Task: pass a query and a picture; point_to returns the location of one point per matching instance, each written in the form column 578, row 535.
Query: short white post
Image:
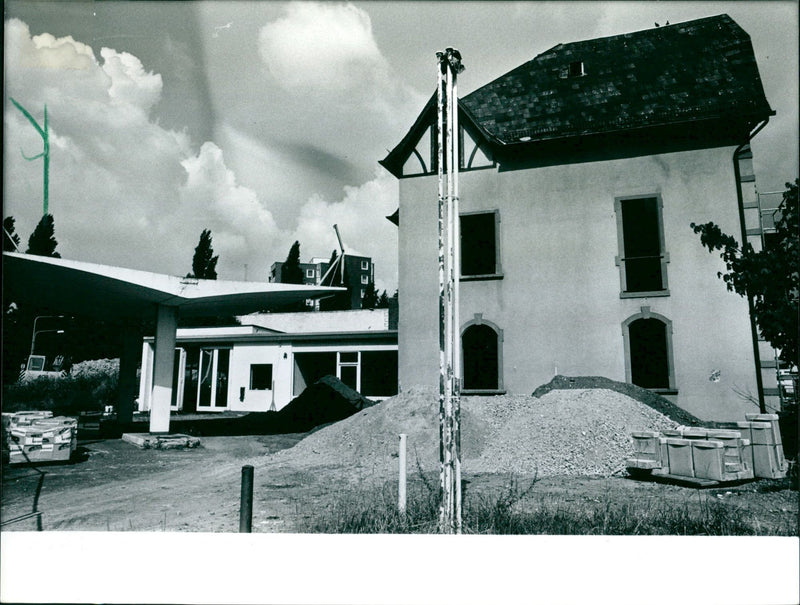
column 401, row 491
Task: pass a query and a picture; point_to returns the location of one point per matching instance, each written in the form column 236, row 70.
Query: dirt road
column 114, row 486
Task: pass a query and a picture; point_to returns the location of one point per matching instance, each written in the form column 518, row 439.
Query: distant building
column 271, row 358
column 359, row 271
column 581, row 171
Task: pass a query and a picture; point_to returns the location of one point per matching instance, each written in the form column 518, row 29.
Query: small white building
column 269, row 360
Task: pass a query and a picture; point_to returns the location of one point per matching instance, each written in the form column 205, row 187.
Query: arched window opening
column 480, row 358
column 649, row 353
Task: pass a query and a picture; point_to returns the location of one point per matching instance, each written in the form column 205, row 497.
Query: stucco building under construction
column 581, row 171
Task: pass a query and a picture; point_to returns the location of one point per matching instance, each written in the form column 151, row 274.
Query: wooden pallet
column 692, row 481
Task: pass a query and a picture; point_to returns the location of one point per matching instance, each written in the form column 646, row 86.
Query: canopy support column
column 128, row 362
column 161, row 399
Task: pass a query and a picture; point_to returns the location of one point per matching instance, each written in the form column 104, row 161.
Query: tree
column 42, row 241
column 10, row 238
column 383, row 301
column 370, row 299
column 331, row 268
column 770, row 278
column 291, row 271
column 204, row 263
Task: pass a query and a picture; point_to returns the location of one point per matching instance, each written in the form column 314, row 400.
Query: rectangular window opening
column 479, row 245
column 643, row 260
column 260, row 376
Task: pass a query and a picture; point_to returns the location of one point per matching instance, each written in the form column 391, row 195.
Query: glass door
column 178, row 379
column 212, row 386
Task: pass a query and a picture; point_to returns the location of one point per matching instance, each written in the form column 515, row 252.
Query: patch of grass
column 518, row 510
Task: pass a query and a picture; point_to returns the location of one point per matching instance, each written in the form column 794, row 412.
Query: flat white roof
column 359, row 320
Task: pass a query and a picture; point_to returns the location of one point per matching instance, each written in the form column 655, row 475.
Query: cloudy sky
column 264, row 121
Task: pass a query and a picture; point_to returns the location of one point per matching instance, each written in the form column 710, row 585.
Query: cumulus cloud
column 123, row 190
column 56, row 53
column 129, row 81
column 321, row 46
column 126, row 191
column 212, row 199
column 325, row 54
column 362, row 235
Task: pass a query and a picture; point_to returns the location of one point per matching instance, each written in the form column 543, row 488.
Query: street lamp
column 33, row 336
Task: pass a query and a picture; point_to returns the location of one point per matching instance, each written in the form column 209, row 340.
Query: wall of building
column 376, row 370
column 558, row 302
column 242, row 356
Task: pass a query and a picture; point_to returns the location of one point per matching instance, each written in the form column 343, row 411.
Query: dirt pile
column 327, row 400
column 654, row 400
column 564, row 432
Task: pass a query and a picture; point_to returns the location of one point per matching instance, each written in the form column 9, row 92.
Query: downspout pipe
column 751, row 307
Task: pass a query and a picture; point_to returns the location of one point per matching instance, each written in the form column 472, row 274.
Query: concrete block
column 765, row 462
column 723, row 434
column 708, row 459
column 774, row 423
column 695, row 433
column 642, row 463
column 761, row 433
column 679, row 456
column 161, row 441
column 646, row 446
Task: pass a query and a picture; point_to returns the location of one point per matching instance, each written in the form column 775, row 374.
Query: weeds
column 519, row 511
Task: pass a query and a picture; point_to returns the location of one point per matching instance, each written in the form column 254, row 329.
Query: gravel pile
column 564, row 432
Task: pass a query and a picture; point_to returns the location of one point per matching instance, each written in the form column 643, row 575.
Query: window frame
column 365, row 265
column 645, row 313
column 478, row 320
column 498, row 267
column 272, row 376
column 620, row 259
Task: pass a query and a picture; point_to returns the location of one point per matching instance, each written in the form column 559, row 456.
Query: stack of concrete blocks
column 39, row 437
column 765, row 436
column 754, row 450
column 703, row 454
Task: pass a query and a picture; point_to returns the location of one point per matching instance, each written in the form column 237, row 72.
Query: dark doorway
column 649, row 353
column 479, row 346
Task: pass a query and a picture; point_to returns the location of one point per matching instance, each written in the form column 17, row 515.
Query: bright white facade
column 252, row 368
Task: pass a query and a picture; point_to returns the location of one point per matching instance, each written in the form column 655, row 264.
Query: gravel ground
column 564, row 432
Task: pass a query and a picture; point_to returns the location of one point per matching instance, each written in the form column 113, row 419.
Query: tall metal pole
column 449, row 66
column 456, row 279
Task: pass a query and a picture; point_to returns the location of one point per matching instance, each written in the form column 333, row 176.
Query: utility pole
column 447, row 156
column 45, row 134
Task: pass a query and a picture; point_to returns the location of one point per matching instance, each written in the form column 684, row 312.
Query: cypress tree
column 42, row 241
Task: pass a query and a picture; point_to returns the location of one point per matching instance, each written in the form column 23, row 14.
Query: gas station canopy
column 105, row 292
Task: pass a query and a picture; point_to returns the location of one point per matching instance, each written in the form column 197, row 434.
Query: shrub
column 90, row 386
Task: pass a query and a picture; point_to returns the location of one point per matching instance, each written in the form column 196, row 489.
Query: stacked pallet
column 39, row 437
column 709, row 456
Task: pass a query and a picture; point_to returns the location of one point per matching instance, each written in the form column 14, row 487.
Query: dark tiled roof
column 701, row 69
